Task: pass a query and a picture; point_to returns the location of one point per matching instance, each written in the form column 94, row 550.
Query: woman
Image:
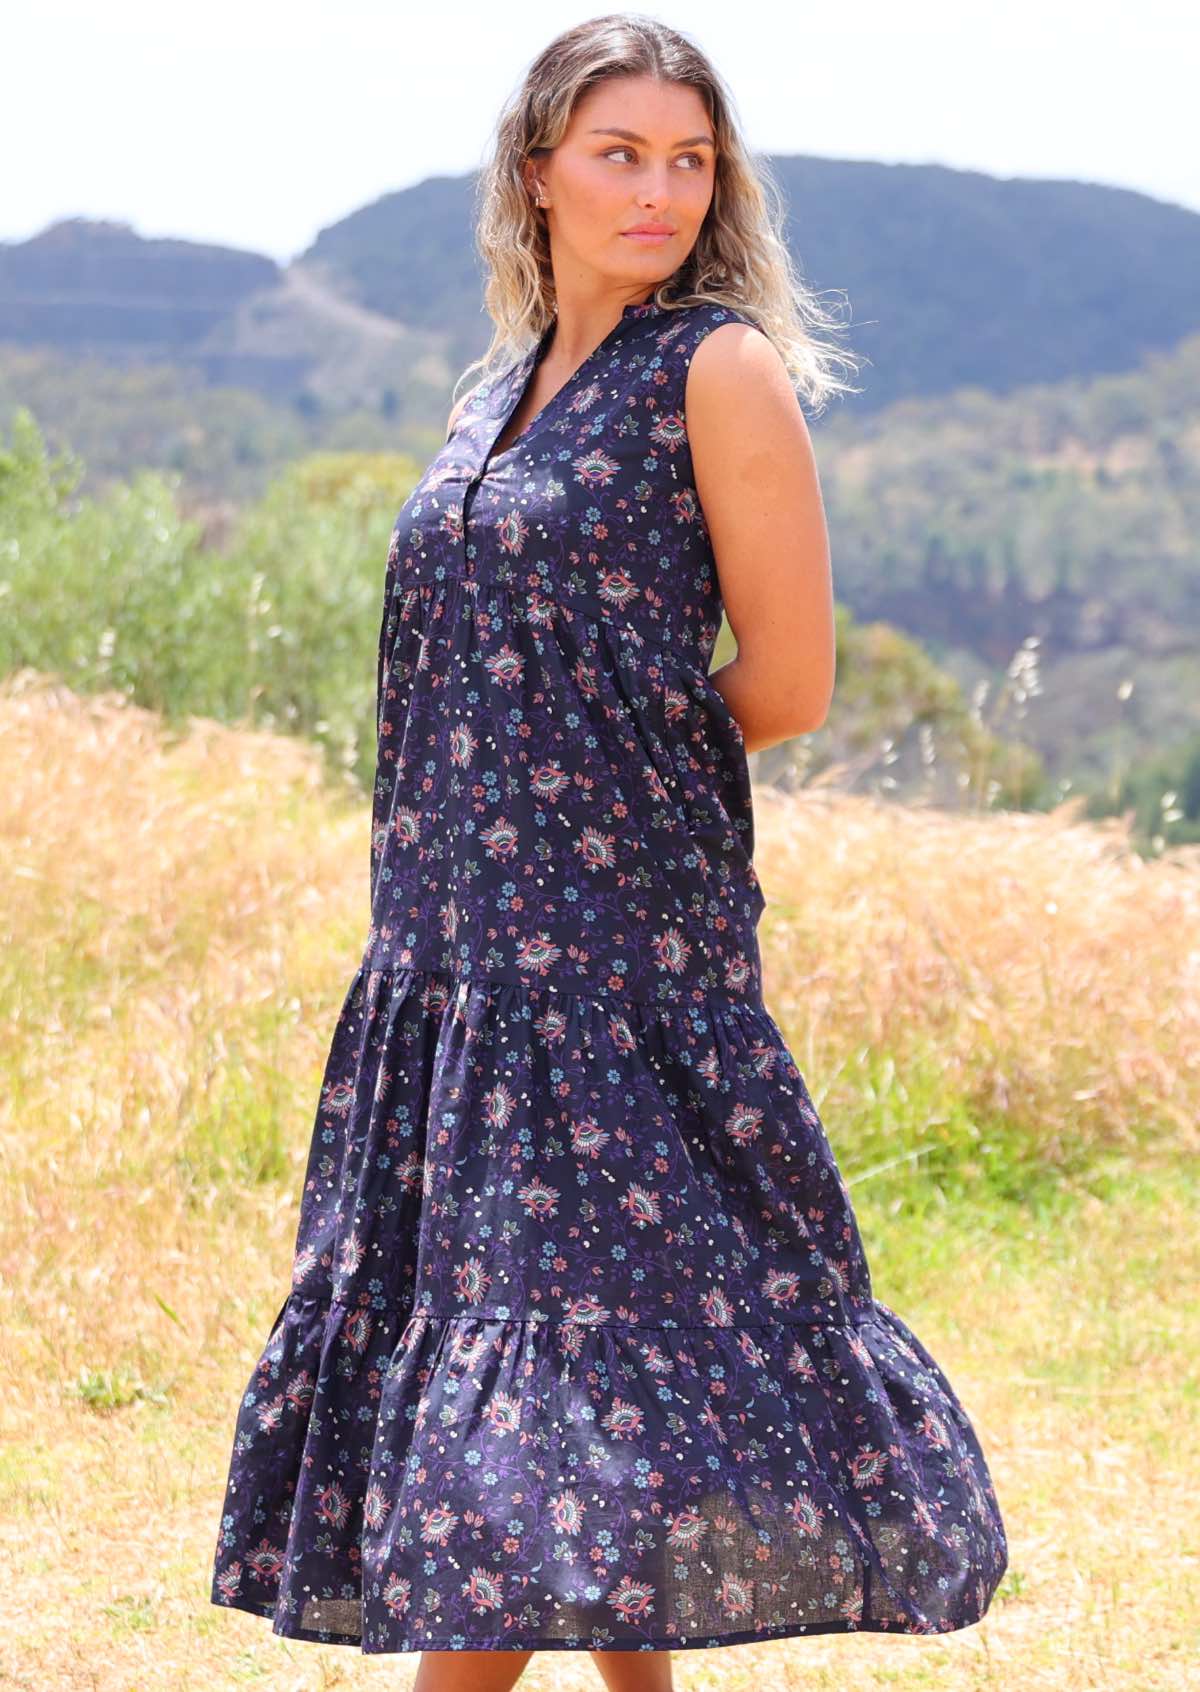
column 581, row 1350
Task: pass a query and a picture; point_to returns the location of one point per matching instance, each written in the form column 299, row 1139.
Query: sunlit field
column 997, row 1015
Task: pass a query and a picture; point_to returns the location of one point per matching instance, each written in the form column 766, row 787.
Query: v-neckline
column 526, row 368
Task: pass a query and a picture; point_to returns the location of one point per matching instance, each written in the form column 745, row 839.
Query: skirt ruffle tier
column 581, row 1350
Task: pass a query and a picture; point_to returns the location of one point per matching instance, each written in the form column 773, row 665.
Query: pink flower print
column 643, row 1206
column 512, row 531
column 806, row 1516
column 935, row 1430
column 269, row 1414
column 672, row 950
column 717, row 1308
column 655, row 1360
column 299, row 1391
column 670, row 431
column 435, row 996
column 800, row 1363
column 744, row 1123
column 686, row 506
column 624, row 1420
column 551, row 1027
column 265, row 1562
column 709, row 1067
column 859, row 1350
column 838, row 1271
column 471, row 1281
column 738, row 974
column 655, row 785
column 709, row 1419
column 506, row 666
column 229, row 1581
column 781, row 1287
column 621, row 1033
column 463, row 745
column 867, row 1467
column 548, row 782
column 406, row 825
column 751, row 1350
column 923, row 1516
column 397, row 1594
column 618, row 589
column 503, row 1412
column 539, row 1199
column 736, row 1597
column 438, row 1524
column 449, row 919
column 762, row 1057
column 351, row 1254
column 540, row 613
column 632, row 1598
column 501, row 840
column 596, row 849
column 465, row 1352
column 586, row 1310
column 585, row 399
column 498, row 1106
column 337, row 1097
column 685, row 1530
column 675, row 703
column 484, row 1591
column 567, row 1512
column 588, row 1138
column 570, row 1339
column 376, row 1505
column 356, row 1329
column 595, row 469
column 537, row 954
column 412, row 1173
column 584, row 676
column 333, row 1505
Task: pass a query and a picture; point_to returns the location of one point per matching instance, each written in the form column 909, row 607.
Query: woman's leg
column 634, row 1671
column 469, row 1671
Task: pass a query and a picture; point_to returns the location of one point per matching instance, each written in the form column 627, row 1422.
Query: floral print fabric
column 581, row 1349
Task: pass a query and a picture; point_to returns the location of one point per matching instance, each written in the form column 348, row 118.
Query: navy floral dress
column 580, row 1349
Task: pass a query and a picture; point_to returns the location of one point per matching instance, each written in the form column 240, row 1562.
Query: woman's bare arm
column 756, row 478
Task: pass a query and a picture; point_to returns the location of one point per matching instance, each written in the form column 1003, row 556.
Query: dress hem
column 674, row 1642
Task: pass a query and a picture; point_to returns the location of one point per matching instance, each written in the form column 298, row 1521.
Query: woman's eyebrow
column 628, row 135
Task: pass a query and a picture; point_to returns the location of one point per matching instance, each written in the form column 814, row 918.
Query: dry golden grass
column 179, row 921
column 1055, row 972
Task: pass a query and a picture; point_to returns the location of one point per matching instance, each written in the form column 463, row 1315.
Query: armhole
column 715, row 318
column 456, row 411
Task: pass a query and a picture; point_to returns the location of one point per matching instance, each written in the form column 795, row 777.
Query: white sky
column 257, row 124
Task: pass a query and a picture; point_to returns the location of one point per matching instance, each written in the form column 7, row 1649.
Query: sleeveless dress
column 580, row 1349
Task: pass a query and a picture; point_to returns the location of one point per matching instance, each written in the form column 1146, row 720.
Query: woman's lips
column 646, row 239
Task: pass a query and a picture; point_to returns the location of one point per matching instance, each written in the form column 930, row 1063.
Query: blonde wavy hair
column 740, row 257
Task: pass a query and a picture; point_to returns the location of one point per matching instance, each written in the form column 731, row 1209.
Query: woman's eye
column 609, row 154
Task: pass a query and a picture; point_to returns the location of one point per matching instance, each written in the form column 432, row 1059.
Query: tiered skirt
column 581, row 1352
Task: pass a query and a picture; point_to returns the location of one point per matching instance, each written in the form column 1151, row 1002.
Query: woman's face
column 637, row 152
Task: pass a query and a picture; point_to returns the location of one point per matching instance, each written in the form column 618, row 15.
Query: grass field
column 998, row 1016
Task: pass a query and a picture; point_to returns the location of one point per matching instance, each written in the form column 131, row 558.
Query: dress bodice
column 561, row 792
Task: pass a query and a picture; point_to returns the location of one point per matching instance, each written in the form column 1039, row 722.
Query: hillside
column 946, row 279
column 1016, row 489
